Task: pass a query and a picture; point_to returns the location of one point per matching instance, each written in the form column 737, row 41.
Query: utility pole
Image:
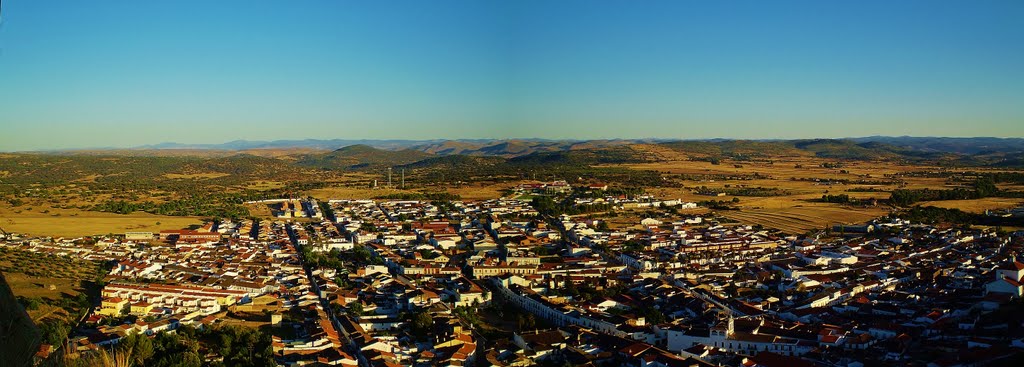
column 389, row 177
column 403, row 178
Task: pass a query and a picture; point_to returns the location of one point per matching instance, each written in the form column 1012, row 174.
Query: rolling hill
column 362, row 156
column 375, row 154
column 981, row 145
column 582, row 157
column 457, row 161
column 734, row 148
column 845, row 149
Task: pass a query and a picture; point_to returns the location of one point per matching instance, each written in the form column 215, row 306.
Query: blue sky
column 127, row 73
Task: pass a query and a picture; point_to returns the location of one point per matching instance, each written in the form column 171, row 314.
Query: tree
column 30, row 304
column 355, row 308
column 226, row 341
column 422, row 323
column 140, row 346
column 245, row 346
column 651, row 315
column 55, row 332
column 985, row 186
column 526, row 322
column 184, row 359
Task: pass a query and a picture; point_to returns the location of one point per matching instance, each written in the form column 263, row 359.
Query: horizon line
column 214, row 146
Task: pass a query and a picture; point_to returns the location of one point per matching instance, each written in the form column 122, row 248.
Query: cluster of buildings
column 729, row 295
column 494, row 282
column 231, row 273
column 687, row 290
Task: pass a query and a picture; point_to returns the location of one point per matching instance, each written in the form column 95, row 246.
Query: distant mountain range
column 375, row 154
column 517, row 147
column 950, row 145
column 497, row 147
column 535, row 153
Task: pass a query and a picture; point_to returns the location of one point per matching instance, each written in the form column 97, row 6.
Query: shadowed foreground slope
column 19, row 338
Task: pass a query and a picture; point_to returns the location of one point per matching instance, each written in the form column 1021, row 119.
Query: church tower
column 732, row 326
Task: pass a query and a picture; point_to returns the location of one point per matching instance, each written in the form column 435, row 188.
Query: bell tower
column 731, row 326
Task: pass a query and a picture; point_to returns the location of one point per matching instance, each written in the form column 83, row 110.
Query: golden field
column 75, row 222
column 977, row 205
column 804, row 181
column 39, row 287
column 52, row 283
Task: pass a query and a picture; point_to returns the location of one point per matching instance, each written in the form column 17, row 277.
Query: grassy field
column 40, row 287
column 803, row 180
column 48, row 221
column 31, row 286
column 260, row 210
column 55, row 289
column 977, row 205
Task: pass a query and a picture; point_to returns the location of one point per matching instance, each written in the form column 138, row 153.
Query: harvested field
column 802, row 182
column 74, row 222
column 977, row 205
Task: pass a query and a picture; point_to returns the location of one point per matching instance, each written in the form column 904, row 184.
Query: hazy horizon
column 127, row 74
column 404, row 143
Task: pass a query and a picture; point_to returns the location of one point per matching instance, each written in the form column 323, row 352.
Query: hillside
column 822, row 148
column 57, row 169
column 980, row 145
column 448, row 147
column 455, row 162
column 587, row 157
column 845, row 149
column 552, row 161
column 19, row 337
column 362, row 156
column 734, row 148
column 514, row 147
